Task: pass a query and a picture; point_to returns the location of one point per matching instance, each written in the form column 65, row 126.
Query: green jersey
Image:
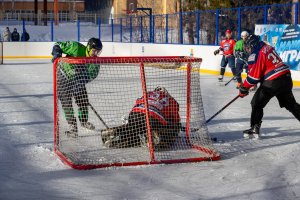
column 239, row 46
column 76, row 49
column 239, row 51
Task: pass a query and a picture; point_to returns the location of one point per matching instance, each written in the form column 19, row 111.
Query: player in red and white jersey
column 265, row 66
column 162, row 106
column 227, row 47
column 164, row 120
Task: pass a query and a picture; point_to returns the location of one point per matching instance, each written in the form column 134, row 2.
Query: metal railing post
column 239, row 23
column 181, row 28
column 130, row 29
column 99, row 28
column 78, row 30
column 150, row 28
column 52, row 30
column 265, row 14
column 198, row 27
column 167, row 27
column 112, row 30
column 23, row 24
column 217, row 27
column 121, row 30
column 153, row 28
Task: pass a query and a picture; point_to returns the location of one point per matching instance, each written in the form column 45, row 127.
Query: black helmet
column 94, row 43
column 251, row 43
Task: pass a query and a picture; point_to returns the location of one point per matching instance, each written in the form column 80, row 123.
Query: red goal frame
column 213, row 155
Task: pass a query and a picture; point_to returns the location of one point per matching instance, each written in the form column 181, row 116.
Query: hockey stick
column 232, row 79
column 99, row 117
column 212, row 117
column 245, row 62
column 221, row 110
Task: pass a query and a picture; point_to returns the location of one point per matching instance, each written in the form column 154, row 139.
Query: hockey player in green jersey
column 72, row 80
column 241, row 58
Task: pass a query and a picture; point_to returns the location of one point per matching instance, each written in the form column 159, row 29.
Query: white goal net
column 124, row 111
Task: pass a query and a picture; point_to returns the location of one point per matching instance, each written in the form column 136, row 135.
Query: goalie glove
column 56, row 52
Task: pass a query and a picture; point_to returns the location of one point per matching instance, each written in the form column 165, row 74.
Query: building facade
column 27, row 6
column 157, row 6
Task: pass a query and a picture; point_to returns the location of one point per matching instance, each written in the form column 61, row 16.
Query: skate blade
column 71, row 135
column 247, row 136
column 256, row 137
column 89, row 129
column 252, row 136
column 108, row 144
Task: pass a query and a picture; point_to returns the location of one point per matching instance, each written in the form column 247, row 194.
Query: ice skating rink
column 263, row 169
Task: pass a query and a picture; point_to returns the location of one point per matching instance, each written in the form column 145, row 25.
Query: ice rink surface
column 264, row 169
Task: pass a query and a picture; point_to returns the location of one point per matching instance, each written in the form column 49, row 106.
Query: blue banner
column 285, row 39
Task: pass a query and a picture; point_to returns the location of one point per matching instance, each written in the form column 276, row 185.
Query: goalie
column 164, row 122
column 72, row 80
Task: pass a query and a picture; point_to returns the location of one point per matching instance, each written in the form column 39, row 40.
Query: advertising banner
column 286, row 40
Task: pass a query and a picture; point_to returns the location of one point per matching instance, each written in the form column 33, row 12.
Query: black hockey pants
column 230, row 60
column 67, row 90
column 240, row 65
column 281, row 88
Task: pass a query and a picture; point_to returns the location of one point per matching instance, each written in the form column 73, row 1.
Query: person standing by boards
column 15, row 36
column 227, row 47
column 6, row 35
column 241, row 58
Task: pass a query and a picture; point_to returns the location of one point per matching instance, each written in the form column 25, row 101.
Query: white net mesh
column 129, row 111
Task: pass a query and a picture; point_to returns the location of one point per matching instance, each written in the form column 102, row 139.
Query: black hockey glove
column 243, row 92
column 56, row 52
column 239, row 54
column 216, row 51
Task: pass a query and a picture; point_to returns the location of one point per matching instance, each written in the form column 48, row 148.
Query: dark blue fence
column 198, row 27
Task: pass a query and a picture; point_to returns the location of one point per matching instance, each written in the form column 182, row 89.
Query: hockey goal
column 127, row 111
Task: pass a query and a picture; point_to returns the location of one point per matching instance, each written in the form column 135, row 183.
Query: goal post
column 152, row 106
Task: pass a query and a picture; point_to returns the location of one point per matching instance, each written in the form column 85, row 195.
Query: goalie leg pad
column 134, row 134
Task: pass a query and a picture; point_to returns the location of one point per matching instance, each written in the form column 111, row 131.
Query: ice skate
column 220, row 78
column 88, row 125
column 72, row 132
column 253, row 132
column 109, row 137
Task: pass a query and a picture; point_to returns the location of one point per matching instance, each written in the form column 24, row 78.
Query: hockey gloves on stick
column 56, row 52
column 243, row 92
